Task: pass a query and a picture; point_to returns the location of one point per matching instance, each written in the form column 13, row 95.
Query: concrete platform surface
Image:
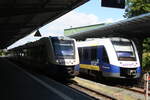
column 17, row 84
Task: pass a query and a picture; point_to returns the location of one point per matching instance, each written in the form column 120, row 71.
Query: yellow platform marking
column 91, row 67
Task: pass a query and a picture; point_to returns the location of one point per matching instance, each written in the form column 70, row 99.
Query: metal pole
column 146, row 85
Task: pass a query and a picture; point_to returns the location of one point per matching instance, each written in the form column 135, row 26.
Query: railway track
column 134, row 89
column 94, row 94
column 118, row 92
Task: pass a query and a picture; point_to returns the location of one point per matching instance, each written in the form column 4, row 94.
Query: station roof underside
column 136, row 27
column 19, row 18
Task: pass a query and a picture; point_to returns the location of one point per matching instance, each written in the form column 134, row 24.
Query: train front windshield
column 124, row 50
column 64, row 49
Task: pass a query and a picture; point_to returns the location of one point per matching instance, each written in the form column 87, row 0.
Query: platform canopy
column 19, row 18
column 136, row 27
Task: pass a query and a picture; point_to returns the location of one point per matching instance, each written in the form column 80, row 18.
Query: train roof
column 41, row 41
column 108, row 38
column 94, row 42
column 62, row 37
column 98, row 41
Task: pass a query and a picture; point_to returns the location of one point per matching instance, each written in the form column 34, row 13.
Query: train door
column 84, row 56
column 102, row 56
column 80, row 51
column 105, row 58
column 105, row 67
column 93, row 57
column 88, row 55
column 94, row 61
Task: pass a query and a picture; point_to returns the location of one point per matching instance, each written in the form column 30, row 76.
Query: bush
column 146, row 61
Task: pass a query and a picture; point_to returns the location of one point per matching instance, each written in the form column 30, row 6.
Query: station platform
column 17, row 84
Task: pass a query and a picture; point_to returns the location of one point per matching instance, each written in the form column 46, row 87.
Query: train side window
column 85, row 54
column 105, row 56
column 89, row 54
column 94, row 53
column 42, row 52
column 80, row 54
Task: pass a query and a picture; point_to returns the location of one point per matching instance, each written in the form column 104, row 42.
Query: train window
column 64, row 48
column 124, row 50
column 42, row 52
column 94, row 53
column 80, row 54
column 86, row 53
column 89, row 53
column 105, row 56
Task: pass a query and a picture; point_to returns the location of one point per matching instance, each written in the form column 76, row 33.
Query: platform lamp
column 37, row 34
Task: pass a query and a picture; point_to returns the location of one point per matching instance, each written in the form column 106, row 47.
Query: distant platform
column 17, row 84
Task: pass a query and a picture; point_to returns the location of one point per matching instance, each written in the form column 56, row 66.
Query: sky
column 87, row 14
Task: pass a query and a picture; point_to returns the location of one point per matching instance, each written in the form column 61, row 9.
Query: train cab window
column 94, row 53
column 105, row 56
column 124, row 50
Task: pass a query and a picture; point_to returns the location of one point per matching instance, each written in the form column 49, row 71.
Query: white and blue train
column 57, row 55
column 109, row 57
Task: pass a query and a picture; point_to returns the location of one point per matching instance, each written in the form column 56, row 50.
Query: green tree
column 146, row 54
column 2, row 52
column 146, row 61
column 146, row 45
column 136, row 7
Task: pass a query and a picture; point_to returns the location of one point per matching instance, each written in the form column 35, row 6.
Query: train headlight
column 131, row 72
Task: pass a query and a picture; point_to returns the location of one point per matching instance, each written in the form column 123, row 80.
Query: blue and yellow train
column 109, row 57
